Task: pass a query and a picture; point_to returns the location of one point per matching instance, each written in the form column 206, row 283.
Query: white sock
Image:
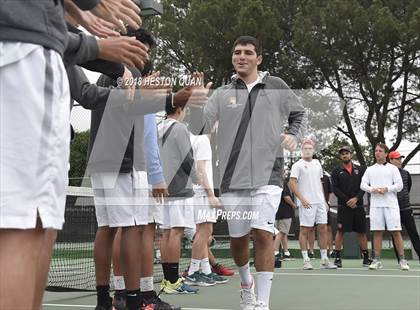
column 119, row 283
column 324, row 254
column 194, row 266
column 264, row 281
column 245, row 275
column 158, row 254
column 205, row 266
column 276, row 252
column 146, row 284
column 305, row 255
column 287, row 253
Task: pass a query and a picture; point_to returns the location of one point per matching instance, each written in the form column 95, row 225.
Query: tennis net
column 72, row 266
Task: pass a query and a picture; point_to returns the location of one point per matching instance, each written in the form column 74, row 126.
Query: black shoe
column 277, row 262
column 311, row 255
column 120, row 301
column 155, row 303
column 338, row 262
column 366, row 261
column 105, row 304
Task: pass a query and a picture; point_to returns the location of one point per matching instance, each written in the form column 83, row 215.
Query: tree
column 78, row 157
column 198, row 35
column 368, row 53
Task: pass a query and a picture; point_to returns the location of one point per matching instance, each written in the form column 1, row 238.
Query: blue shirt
column 151, row 150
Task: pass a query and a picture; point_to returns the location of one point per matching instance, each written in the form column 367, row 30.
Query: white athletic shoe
column 375, row 265
column 248, row 300
column 404, row 265
column 261, row 306
column 326, row 264
column 307, row 265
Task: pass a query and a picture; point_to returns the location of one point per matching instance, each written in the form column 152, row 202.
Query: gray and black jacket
column 404, row 194
column 38, row 22
column 117, row 127
column 249, row 130
column 177, row 158
column 42, row 22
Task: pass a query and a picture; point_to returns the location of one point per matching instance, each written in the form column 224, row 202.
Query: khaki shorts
column 283, row 225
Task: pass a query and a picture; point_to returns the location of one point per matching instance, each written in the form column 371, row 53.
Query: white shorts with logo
column 122, row 199
column 251, row 209
column 203, row 212
column 382, row 218
column 317, row 214
column 178, row 213
column 34, row 140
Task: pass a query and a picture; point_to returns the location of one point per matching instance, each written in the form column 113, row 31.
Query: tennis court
column 351, row 287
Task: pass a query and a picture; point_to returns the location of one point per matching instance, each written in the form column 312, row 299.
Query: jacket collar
column 262, row 77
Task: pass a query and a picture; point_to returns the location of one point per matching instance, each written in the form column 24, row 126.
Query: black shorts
column 349, row 219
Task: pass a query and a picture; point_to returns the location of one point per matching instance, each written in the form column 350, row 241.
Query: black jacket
column 346, row 186
column 404, row 194
column 285, row 211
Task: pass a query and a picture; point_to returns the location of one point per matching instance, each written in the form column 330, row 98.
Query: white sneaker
column 261, row 306
column 248, row 300
column 404, row 265
column 307, row 265
column 326, row 264
column 375, row 265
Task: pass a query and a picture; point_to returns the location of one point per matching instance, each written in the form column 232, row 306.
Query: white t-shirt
column 202, row 151
column 309, row 175
column 382, row 176
column 251, row 86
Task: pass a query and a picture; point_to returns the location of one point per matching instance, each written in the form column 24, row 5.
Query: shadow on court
column 352, row 287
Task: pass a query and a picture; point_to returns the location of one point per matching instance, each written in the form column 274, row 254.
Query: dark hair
column 171, row 109
column 244, row 40
column 147, row 69
column 382, row 146
column 142, row 35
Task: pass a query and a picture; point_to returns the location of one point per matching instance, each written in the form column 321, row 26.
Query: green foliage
column 78, row 157
column 367, row 52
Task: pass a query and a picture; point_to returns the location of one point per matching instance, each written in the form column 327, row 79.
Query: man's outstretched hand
column 288, row 142
column 199, row 95
column 119, row 12
column 125, row 50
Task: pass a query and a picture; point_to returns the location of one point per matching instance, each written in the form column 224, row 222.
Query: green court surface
column 348, row 288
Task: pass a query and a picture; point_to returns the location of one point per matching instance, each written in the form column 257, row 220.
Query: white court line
column 344, row 275
column 360, row 268
column 89, row 306
column 69, row 306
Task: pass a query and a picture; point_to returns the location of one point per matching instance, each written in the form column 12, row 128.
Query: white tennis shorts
column 178, row 213
column 203, row 212
column 382, row 218
column 251, row 209
column 34, row 140
column 317, row 214
column 121, row 199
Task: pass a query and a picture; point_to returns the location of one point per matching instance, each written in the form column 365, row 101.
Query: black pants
column 407, row 220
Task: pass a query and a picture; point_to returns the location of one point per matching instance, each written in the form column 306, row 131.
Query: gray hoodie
column 250, row 125
column 177, row 158
column 39, row 22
